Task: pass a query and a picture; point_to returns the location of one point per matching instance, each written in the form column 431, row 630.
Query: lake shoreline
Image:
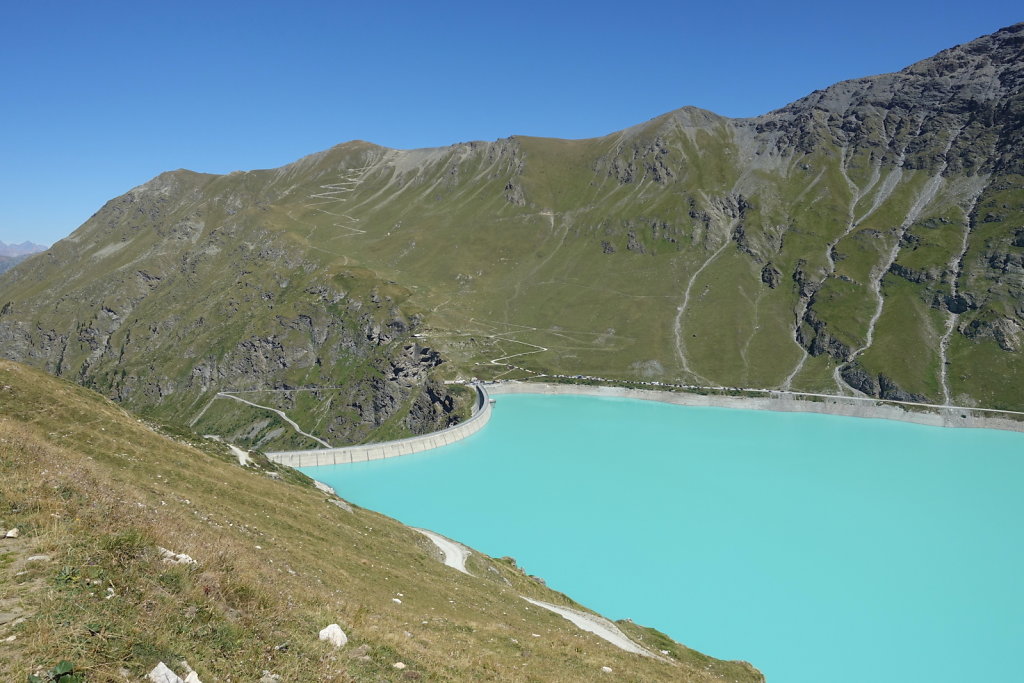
column 935, row 416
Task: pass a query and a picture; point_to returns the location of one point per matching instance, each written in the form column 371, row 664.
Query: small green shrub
column 64, row 672
column 126, row 546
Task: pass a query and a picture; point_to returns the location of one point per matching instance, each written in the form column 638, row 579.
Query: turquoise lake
column 819, row 548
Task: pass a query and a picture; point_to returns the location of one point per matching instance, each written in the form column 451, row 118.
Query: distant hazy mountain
column 868, row 239
column 23, row 249
column 8, row 262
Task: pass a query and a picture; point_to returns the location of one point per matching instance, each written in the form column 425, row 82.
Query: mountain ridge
column 870, row 250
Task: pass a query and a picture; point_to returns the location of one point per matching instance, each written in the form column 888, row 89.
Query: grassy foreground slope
column 97, row 492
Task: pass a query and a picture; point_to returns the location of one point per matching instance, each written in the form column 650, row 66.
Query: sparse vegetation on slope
column 98, row 493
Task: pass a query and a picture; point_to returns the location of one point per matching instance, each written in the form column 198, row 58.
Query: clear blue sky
column 100, row 96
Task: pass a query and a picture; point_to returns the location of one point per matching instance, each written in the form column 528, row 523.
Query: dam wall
column 390, row 449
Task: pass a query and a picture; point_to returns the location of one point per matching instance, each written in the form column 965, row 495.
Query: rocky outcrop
column 911, row 275
column 956, row 303
column 891, row 391
column 633, row 244
column 815, row 337
column 1007, row 262
column 879, row 386
column 641, row 160
column 771, row 276
column 432, row 410
column 806, row 284
column 739, row 236
column 1004, row 331
column 514, row 194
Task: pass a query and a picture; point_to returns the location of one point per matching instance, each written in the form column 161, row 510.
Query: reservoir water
column 819, row 548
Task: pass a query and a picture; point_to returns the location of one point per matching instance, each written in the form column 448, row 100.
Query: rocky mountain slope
column 160, row 298
column 867, row 239
column 133, row 548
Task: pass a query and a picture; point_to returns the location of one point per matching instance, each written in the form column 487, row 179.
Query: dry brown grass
column 98, row 491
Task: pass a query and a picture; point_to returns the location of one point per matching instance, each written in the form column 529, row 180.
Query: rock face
column 1005, row 331
column 973, row 90
column 873, row 229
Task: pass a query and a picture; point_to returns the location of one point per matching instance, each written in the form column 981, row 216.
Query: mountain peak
column 986, row 58
column 22, row 249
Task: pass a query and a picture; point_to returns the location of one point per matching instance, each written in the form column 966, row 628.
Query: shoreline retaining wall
column 937, row 416
column 390, row 449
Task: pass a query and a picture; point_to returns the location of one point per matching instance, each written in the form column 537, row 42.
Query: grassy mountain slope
column 98, row 492
column 176, row 289
column 866, row 239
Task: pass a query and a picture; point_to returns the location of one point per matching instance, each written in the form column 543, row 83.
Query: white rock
column 324, row 487
column 12, row 533
column 270, row 678
column 38, row 558
column 10, row 639
column 399, row 665
column 162, row 674
column 396, row 601
column 606, row 669
column 340, row 503
column 192, row 677
column 172, row 557
column 334, row 635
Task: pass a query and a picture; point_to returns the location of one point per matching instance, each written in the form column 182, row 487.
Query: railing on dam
column 390, row 449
